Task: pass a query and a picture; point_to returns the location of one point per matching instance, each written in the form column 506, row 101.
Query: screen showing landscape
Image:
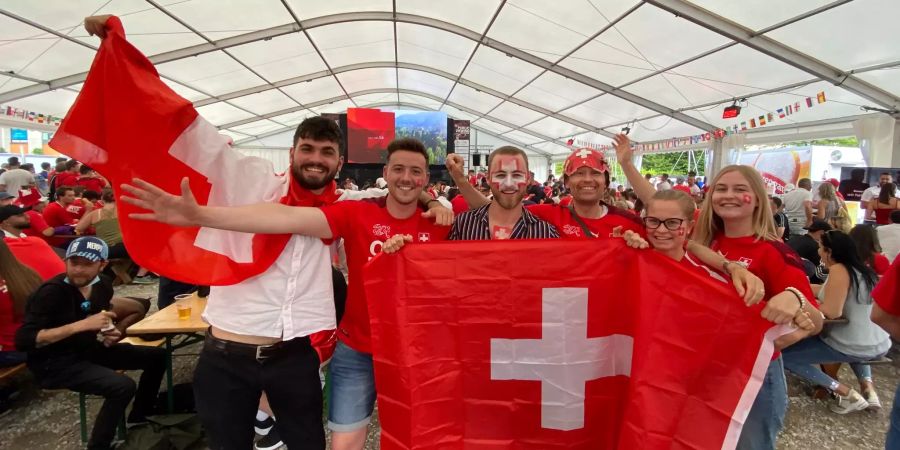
column 430, row 127
column 369, row 131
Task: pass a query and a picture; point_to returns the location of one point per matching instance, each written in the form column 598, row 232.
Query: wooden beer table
column 167, row 323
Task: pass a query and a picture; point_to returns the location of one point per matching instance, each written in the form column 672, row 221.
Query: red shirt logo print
column 381, row 230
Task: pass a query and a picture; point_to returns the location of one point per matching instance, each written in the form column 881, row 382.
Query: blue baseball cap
column 88, row 247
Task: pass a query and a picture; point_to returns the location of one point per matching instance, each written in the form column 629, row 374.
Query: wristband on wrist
column 800, row 297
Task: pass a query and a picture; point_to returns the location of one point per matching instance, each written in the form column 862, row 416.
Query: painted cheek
column 680, row 232
column 747, row 198
column 420, row 183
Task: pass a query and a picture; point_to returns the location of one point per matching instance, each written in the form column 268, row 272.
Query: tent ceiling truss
column 738, row 34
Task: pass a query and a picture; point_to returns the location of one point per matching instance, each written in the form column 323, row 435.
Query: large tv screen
column 430, row 127
column 369, row 131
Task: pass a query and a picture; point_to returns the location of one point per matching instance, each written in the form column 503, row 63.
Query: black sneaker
column 270, row 441
column 262, row 427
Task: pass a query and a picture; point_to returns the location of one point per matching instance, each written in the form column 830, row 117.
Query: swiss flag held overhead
column 127, row 123
column 608, row 348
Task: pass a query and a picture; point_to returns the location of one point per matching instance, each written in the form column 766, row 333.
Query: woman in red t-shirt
column 17, row 282
column 668, row 223
column 736, row 220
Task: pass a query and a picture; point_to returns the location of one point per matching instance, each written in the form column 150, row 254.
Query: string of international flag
column 683, row 141
column 30, row 116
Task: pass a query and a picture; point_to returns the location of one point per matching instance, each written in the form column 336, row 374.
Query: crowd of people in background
column 839, row 263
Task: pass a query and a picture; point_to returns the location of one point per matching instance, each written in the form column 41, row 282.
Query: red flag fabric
column 127, row 123
column 609, row 348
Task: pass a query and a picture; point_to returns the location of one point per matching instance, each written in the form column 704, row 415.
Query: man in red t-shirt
column 63, row 214
column 66, row 210
column 70, row 176
column 365, row 226
column 90, row 179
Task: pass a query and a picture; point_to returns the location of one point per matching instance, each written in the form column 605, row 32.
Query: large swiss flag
column 127, row 123
column 501, row 345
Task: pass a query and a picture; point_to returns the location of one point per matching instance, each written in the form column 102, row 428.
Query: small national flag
column 820, row 97
column 781, row 113
column 809, row 103
column 743, row 125
column 31, row 116
column 789, row 109
column 752, row 123
column 770, row 117
column 762, row 120
column 796, row 107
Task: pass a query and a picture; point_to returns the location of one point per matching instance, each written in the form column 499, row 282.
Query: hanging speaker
column 476, row 160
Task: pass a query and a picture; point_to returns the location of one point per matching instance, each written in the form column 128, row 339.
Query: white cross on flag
column 127, row 123
column 585, row 354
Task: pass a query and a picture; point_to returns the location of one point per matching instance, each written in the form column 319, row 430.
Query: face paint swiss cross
column 508, row 174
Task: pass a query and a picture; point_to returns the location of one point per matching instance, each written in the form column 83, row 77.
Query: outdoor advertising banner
column 779, row 167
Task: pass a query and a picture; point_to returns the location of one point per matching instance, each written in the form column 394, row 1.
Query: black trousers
column 227, row 387
column 94, row 373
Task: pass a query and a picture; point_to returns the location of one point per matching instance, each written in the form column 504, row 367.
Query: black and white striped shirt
column 473, row 226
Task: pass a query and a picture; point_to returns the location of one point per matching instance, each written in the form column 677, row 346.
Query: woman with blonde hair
column 737, row 221
column 829, row 205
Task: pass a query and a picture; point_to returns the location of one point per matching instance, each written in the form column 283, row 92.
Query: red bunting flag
column 600, row 352
column 809, row 102
column 752, row 123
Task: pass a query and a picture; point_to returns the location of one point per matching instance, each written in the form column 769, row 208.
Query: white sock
column 261, row 415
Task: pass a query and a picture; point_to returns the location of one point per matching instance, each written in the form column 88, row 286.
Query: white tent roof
column 531, row 72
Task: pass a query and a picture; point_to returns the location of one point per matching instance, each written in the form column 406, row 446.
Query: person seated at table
column 847, row 293
column 105, row 222
column 92, row 197
column 64, row 212
column 60, row 334
column 17, row 282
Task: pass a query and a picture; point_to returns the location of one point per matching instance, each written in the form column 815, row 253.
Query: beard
column 509, row 201
column 81, row 281
column 309, row 182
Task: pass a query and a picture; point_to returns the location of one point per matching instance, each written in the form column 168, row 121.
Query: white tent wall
column 529, row 71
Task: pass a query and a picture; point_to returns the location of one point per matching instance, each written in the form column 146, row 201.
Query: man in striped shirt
column 504, row 217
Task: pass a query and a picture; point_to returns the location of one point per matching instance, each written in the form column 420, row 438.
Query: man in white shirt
column 872, row 194
column 15, row 177
column 889, row 236
column 798, row 206
column 663, row 184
